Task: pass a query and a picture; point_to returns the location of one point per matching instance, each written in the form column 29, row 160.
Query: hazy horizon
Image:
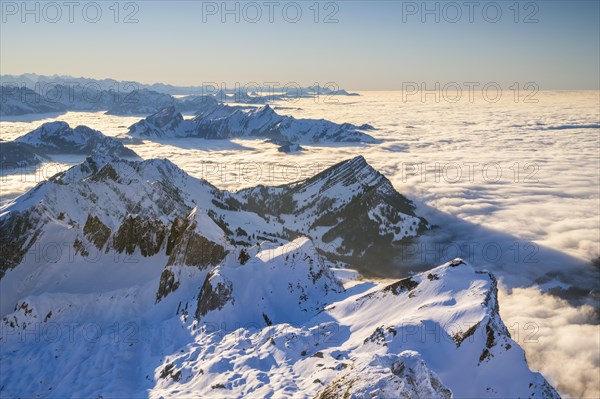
column 429, row 86
column 358, row 45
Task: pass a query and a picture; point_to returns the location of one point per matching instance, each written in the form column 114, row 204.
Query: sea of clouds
column 512, row 176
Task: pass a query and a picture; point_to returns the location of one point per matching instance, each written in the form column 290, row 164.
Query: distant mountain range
column 192, row 289
column 32, row 94
column 23, row 101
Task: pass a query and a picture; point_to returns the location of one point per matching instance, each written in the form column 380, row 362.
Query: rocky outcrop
column 96, row 232
column 166, row 285
column 145, row 234
column 215, row 293
column 19, row 231
column 187, row 247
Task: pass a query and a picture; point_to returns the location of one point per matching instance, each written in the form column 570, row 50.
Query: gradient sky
column 369, row 48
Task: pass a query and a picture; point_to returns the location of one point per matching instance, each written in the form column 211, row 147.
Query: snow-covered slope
column 277, row 324
column 224, row 121
column 226, row 298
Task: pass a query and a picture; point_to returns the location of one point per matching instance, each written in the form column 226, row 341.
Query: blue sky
column 375, row 45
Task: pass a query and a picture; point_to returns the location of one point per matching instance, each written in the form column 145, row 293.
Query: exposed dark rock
column 166, row 285
column 170, row 371
column 96, row 231
column 186, row 247
column 213, row 297
column 457, row 262
column 243, row 257
column 489, row 343
column 378, row 336
column 48, row 316
column 400, row 286
column 79, row 248
column 267, row 320
column 18, row 233
column 137, row 232
column 460, row 337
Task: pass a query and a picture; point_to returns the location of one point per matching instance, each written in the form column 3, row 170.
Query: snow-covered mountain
column 33, row 94
column 133, row 279
column 330, row 91
column 223, row 122
column 54, row 138
column 22, row 101
column 350, row 211
column 237, row 94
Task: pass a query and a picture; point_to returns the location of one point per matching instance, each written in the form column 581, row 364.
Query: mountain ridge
column 120, row 195
column 220, row 121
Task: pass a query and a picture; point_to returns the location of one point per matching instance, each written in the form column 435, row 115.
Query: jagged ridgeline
column 221, row 121
column 350, row 211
